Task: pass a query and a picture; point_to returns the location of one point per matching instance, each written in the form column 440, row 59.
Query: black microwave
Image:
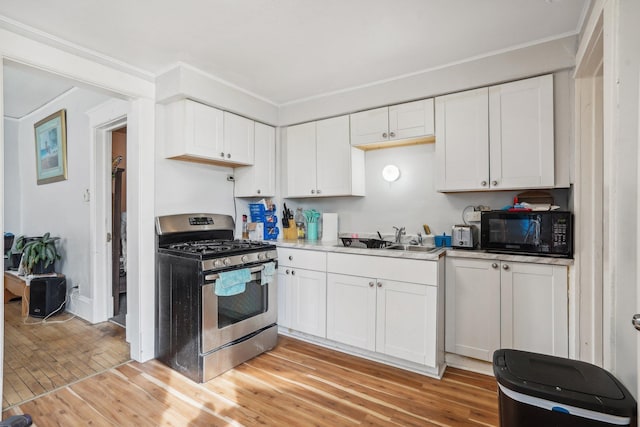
column 546, row 233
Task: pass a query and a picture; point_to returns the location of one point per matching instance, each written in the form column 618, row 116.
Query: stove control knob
column 260, row 256
column 244, row 258
column 227, row 261
column 217, row 263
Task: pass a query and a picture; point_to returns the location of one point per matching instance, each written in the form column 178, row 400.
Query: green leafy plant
column 37, row 249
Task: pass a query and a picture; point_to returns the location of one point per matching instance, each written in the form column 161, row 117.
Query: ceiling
column 289, row 50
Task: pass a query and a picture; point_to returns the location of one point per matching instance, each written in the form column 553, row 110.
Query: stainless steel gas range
column 200, row 331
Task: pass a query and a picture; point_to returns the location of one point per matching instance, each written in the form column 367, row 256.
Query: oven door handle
column 211, row 277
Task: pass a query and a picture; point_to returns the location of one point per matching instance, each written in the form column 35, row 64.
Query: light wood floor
column 40, row 357
column 296, row 384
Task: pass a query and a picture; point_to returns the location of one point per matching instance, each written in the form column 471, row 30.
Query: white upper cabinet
column 192, row 130
column 300, row 160
column 393, row 123
column 259, row 180
column 496, row 138
column 321, row 162
column 238, row 139
column 521, row 134
column 462, row 141
column 201, row 133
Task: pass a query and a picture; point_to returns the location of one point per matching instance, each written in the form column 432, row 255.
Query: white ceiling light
column 390, row 173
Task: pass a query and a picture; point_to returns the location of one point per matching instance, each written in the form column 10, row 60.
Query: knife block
column 291, row 232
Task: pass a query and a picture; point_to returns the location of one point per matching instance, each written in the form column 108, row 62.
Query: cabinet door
column 406, row 321
column 472, row 307
column 370, row 126
column 462, row 141
column 534, row 308
column 333, row 154
column 238, row 139
column 351, row 310
column 411, row 120
column 308, row 301
column 521, row 134
column 192, row 130
column 284, row 299
column 301, row 160
column 259, row 180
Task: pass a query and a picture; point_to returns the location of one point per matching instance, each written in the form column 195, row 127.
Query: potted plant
column 38, row 253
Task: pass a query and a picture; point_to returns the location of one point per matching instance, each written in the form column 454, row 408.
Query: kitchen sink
column 413, row 248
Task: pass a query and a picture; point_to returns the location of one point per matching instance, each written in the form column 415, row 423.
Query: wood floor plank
column 294, row 384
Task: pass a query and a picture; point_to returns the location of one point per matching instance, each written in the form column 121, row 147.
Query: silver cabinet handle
column 392, row 134
column 228, row 156
column 221, row 154
column 379, row 284
column 505, row 266
column 384, row 134
column 287, row 272
column 494, row 182
column 483, row 183
column 317, row 191
column 290, row 257
column 494, row 265
column 635, row 321
column 293, row 272
column 258, row 191
column 371, row 284
column 313, row 191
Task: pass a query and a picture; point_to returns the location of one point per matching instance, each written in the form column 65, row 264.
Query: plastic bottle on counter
column 245, row 231
column 299, row 219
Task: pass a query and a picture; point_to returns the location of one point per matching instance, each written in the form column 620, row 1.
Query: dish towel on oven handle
column 232, row 282
column 267, row 273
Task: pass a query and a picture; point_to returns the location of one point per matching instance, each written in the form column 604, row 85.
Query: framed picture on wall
column 51, row 148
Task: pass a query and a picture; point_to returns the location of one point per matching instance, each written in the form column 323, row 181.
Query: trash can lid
column 566, row 381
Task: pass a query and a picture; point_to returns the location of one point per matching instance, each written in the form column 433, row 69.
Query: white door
column 370, row 126
column 472, row 307
column 406, row 321
column 308, row 306
column 351, row 310
column 521, row 134
column 301, row 160
column 333, row 157
column 238, row 139
column 462, row 141
column 534, row 308
column 411, row 119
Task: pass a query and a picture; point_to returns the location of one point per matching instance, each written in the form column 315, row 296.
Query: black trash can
column 539, row 390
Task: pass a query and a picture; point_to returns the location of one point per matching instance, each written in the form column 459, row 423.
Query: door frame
column 590, row 203
column 103, row 120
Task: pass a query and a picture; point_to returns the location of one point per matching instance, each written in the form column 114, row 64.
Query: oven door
column 226, row 319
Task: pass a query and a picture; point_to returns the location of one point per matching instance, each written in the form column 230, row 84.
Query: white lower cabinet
column 493, row 304
column 375, row 313
column 302, row 291
column 472, row 308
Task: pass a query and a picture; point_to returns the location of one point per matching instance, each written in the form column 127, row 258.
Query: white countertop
column 336, row 246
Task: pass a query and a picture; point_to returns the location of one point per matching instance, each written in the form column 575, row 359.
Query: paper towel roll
column 329, row 227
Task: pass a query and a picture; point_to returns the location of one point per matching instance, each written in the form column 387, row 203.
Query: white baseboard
column 81, row 306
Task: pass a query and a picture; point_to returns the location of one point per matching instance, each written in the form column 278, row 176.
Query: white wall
column 58, row 207
column 409, row 202
column 11, row 177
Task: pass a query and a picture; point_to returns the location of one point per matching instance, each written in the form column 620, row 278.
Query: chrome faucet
column 399, row 233
column 420, row 238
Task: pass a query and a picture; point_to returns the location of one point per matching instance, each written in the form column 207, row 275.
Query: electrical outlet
column 230, row 178
column 473, row 216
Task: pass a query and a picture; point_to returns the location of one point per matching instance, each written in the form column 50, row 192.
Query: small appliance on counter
column 464, row 236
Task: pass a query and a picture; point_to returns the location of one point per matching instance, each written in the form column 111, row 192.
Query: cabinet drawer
column 402, row 270
column 300, row 258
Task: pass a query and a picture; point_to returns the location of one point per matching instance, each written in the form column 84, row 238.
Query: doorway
column 119, row 225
